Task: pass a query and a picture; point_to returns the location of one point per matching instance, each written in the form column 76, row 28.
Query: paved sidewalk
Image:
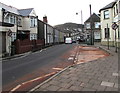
column 97, row 75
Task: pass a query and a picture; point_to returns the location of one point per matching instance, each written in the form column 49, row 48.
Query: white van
column 68, row 40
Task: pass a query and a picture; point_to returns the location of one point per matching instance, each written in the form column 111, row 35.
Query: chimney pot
column 45, row 19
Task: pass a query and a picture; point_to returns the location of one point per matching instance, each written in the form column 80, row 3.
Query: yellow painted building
column 110, row 14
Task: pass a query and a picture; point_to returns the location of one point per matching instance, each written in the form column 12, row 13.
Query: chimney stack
column 45, row 19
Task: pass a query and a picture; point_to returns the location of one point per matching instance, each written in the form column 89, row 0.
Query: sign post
column 114, row 27
column 108, row 36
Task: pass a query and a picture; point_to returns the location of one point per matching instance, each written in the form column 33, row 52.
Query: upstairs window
column 7, row 18
column 12, row 19
column 33, row 22
column 119, row 6
column 88, row 25
column 106, row 14
column 97, row 24
column 19, row 21
column 114, row 11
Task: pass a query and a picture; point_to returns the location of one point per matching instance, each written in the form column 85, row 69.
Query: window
column 33, row 36
column 7, row 18
column 106, row 14
column 107, row 33
column 33, row 22
column 117, row 8
column 97, row 24
column 12, row 19
column 13, row 36
column 119, row 32
column 114, row 11
column 88, row 25
column 19, row 21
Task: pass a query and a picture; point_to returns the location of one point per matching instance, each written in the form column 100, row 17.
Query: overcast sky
column 60, row 11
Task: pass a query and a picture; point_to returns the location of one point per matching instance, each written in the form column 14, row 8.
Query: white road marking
column 57, row 68
column 115, row 74
column 70, row 58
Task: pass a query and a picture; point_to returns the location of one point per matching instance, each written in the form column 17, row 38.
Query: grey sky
column 60, row 11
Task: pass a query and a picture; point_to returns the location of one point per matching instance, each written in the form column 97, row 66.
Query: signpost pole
column 108, row 36
column 115, row 42
column 114, row 27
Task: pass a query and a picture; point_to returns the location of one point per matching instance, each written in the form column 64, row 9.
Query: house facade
column 110, row 14
column 93, row 22
column 16, row 24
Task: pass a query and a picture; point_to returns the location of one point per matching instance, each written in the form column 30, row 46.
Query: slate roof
column 25, row 12
column 9, row 8
column 94, row 17
column 108, row 6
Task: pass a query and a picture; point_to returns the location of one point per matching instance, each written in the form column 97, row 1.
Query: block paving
column 96, row 75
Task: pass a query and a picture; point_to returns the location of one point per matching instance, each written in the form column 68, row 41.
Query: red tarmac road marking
column 24, row 84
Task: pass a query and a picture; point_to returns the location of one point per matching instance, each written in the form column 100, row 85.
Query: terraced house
column 16, row 24
column 110, row 14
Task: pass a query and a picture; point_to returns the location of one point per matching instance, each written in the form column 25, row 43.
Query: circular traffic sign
column 114, row 26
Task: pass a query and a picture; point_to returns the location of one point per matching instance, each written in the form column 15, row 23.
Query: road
column 22, row 69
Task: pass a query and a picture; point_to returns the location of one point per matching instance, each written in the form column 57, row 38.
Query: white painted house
column 16, row 24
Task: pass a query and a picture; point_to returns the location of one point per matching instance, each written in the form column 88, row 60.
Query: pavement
column 99, row 74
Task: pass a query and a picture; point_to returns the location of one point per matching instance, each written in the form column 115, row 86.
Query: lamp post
column 81, row 16
column 81, row 19
column 81, row 22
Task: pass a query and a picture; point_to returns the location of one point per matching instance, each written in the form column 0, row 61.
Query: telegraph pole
column 91, row 37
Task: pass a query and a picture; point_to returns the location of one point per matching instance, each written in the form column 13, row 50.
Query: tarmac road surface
column 22, row 69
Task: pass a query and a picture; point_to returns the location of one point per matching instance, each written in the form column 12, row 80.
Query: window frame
column 19, row 21
column 88, row 26
column 33, row 22
column 97, row 24
column 119, row 6
column 107, row 34
column 106, row 15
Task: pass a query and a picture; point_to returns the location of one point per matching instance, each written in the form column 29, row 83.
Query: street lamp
column 81, row 16
column 81, row 20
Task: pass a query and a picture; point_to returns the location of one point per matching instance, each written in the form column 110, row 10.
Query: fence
column 22, row 46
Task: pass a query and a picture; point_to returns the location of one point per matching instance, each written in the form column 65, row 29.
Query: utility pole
column 90, row 26
column 92, row 34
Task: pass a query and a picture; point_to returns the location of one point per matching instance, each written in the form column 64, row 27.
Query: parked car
column 68, row 40
column 73, row 41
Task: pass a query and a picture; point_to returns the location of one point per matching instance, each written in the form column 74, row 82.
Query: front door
column 3, row 42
